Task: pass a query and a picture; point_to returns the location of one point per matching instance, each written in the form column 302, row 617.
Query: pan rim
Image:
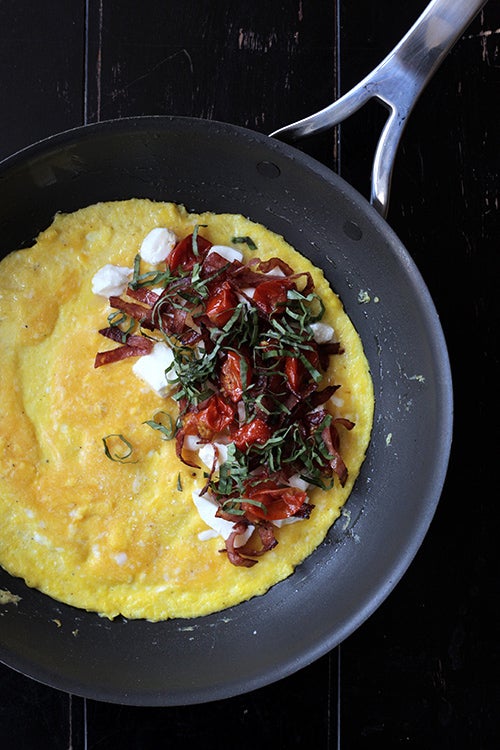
column 209, row 694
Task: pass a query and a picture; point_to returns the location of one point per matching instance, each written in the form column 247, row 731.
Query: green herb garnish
column 164, row 423
column 113, row 454
column 194, row 239
column 246, row 241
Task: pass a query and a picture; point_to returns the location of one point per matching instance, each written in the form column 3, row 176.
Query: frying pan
column 218, row 167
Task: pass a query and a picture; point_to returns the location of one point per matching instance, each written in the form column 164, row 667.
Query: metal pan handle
column 397, row 82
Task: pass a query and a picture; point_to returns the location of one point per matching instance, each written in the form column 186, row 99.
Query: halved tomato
column 296, row 371
column 212, row 419
column 256, row 431
column 183, row 256
column 275, row 502
column 270, row 296
column 221, row 305
column 235, row 375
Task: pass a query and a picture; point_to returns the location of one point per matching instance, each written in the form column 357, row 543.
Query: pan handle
column 397, row 82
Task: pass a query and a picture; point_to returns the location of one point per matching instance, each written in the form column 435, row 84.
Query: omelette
column 185, row 409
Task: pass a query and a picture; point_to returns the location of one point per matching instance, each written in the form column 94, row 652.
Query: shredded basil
column 166, row 424
column 245, row 240
column 194, row 239
column 233, row 505
column 118, row 319
column 193, row 369
column 150, row 278
column 114, row 455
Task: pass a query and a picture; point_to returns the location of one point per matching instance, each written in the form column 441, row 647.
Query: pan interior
column 221, row 168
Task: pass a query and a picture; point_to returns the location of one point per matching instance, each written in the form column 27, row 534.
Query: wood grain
column 422, row 672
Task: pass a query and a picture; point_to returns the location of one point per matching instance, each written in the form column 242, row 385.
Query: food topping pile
column 240, row 347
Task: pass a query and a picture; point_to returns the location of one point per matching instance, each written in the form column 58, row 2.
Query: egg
column 97, row 510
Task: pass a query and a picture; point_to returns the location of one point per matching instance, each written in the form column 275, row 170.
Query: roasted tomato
column 213, row 418
column 183, row 256
column 270, row 296
column 221, row 305
column 256, row 431
column 275, row 502
column 296, row 371
column 235, row 375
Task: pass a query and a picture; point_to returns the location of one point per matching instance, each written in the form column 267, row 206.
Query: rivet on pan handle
column 397, row 82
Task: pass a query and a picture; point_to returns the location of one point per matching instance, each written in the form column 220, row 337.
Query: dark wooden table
column 423, row 671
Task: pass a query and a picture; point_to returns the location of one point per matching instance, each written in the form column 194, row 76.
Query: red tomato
column 221, row 305
column 255, row 431
column 207, row 422
column 270, row 296
column 183, row 256
column 296, row 371
column 279, row 502
column 231, row 377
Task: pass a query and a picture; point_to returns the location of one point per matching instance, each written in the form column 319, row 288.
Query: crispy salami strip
column 135, row 346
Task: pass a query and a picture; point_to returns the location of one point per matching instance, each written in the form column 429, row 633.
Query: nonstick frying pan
column 222, row 168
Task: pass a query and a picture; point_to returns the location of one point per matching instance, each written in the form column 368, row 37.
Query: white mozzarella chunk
column 157, row 245
column 206, row 454
column 322, row 333
column 337, row 401
column 296, row 481
column 207, row 509
column 285, row 521
column 229, row 253
column 275, row 272
column 210, row 452
column 151, row 368
column 192, row 443
column 249, row 291
column 221, row 449
column 111, row 281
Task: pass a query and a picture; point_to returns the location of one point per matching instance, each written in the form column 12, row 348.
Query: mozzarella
column 249, row 291
column 192, row 443
column 322, row 333
column 207, row 509
column 110, row 280
column 296, row 481
column 275, row 272
column 151, row 368
column 209, row 452
column 157, row 245
column 229, row 253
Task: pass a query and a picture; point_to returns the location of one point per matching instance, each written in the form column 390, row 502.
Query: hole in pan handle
column 397, row 82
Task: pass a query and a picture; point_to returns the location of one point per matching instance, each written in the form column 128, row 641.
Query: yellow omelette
column 124, row 536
